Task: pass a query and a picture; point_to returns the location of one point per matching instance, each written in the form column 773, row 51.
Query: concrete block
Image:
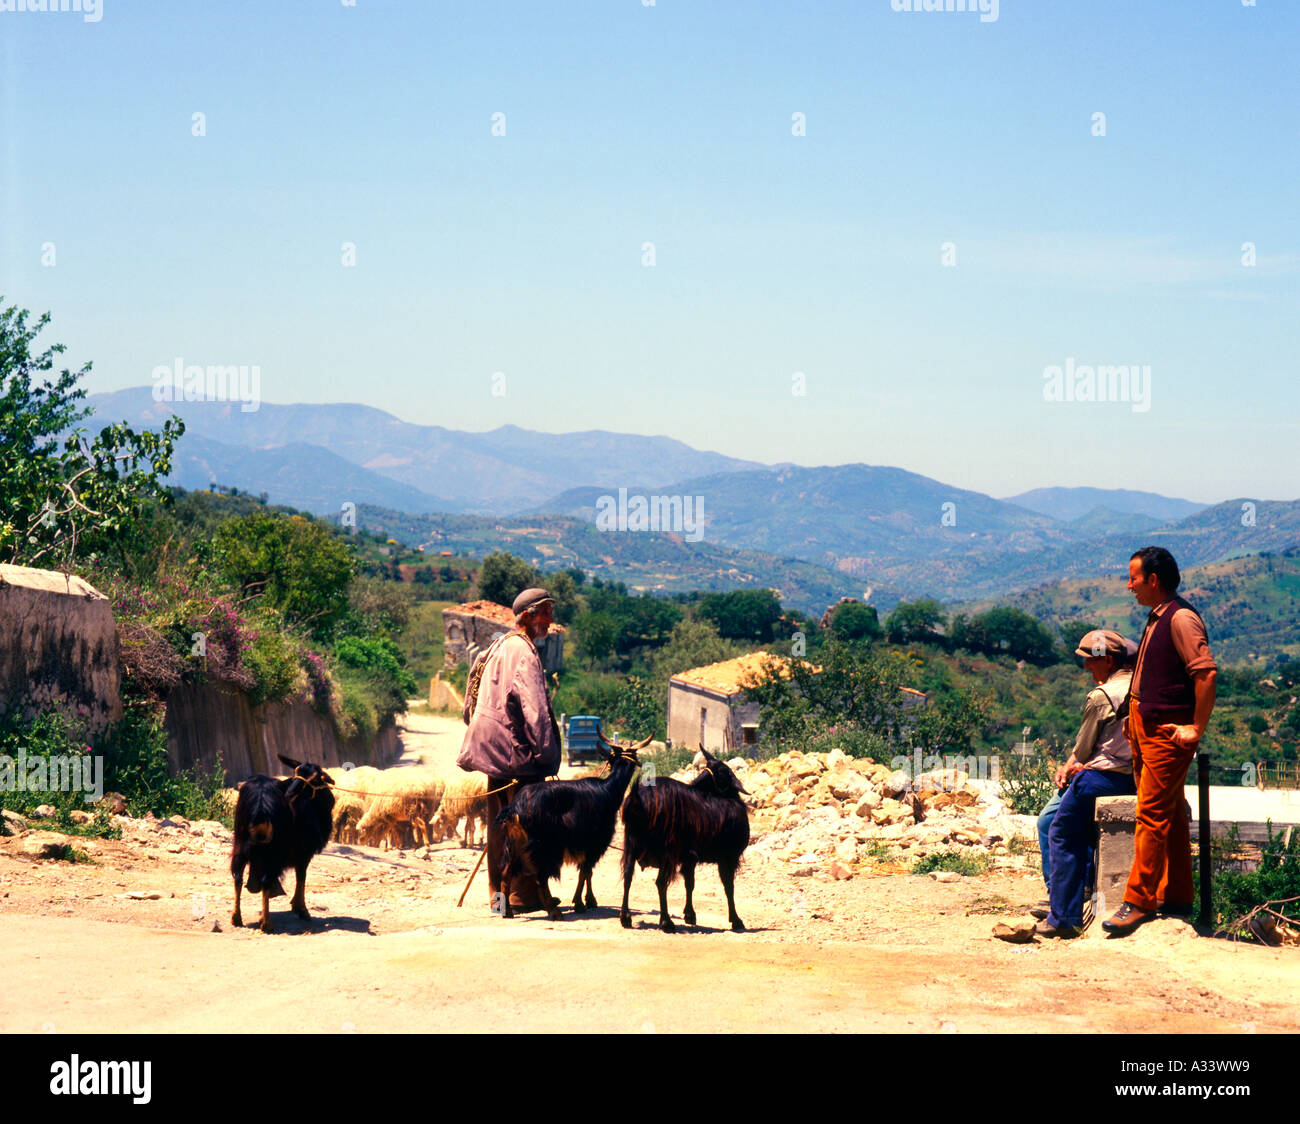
column 1116, row 819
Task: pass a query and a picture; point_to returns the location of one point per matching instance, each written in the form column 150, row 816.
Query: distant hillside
column 851, row 517
column 660, row 563
column 1251, row 605
column 306, row 477
column 1108, row 521
column 1069, row 504
column 503, row 470
column 851, row 527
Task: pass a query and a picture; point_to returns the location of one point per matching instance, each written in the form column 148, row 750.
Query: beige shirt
column 1190, row 642
column 1102, row 743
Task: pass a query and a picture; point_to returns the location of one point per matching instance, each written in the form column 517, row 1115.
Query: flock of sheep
column 409, row 806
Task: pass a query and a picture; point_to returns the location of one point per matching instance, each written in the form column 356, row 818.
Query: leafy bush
column 1235, row 893
column 30, row 743
column 952, row 860
column 299, row 566
column 135, row 765
column 813, row 735
column 358, row 714
column 1027, row 782
column 743, row 614
column 61, row 495
column 276, row 669
column 670, row 759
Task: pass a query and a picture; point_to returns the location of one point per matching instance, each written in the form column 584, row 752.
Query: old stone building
column 707, row 705
column 471, row 627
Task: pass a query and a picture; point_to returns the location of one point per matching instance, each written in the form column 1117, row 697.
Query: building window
column 749, row 734
column 704, row 715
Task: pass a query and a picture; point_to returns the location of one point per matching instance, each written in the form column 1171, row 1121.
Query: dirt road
column 887, row 952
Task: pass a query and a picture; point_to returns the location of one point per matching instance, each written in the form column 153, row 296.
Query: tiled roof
column 727, row 677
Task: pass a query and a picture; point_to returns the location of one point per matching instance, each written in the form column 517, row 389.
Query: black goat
column 549, row 825
column 280, row 823
column 674, row 826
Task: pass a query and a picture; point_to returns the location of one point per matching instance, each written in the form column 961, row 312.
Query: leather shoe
column 1064, row 932
column 1040, row 912
column 1127, row 918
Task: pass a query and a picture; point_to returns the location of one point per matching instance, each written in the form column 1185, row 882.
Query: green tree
column 855, row 621
column 915, row 621
column 595, row 636
column 1010, row 631
column 57, row 503
column 564, row 589
column 288, row 562
column 378, row 607
column 503, row 577
column 640, row 709
column 692, row 643
column 1071, row 633
column 743, row 614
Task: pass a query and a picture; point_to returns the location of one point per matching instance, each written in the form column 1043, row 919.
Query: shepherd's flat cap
column 530, row 599
column 1104, row 642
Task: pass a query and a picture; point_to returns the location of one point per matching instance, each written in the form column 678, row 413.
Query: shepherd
column 513, row 736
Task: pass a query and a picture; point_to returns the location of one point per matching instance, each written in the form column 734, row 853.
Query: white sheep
column 351, row 800
column 465, row 795
column 404, row 800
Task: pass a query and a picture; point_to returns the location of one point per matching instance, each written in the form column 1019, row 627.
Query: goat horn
column 643, row 744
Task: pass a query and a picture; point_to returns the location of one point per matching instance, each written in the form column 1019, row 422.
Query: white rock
column 44, row 844
column 869, row 802
column 896, row 783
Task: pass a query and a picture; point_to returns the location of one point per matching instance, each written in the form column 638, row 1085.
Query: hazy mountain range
column 367, row 450
column 813, row 533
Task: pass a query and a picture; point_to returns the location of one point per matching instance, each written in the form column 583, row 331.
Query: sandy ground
column 888, row 952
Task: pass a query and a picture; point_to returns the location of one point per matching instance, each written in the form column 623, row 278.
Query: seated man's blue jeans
column 1044, row 824
column 1072, row 839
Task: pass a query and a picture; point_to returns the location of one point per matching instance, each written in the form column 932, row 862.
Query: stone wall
column 207, row 723
column 467, row 634
column 59, row 644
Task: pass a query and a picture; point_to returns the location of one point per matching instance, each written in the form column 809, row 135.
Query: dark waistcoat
column 1166, row 690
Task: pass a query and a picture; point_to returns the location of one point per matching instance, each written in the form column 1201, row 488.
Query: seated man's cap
column 530, row 599
column 1103, row 642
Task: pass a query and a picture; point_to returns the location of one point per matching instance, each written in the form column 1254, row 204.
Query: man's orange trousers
column 1162, row 843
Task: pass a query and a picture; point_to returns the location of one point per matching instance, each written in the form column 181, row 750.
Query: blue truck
column 583, row 743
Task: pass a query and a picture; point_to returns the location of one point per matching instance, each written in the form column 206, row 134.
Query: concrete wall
column 443, row 696
column 207, row 722
column 723, row 717
column 58, row 642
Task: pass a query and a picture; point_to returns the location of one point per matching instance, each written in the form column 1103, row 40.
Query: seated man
column 1101, row 764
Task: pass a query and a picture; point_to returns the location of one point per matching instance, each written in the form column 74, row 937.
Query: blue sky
column 774, row 253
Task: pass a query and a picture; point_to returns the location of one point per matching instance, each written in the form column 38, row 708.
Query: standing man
column 1170, row 705
column 1101, row 764
column 513, row 736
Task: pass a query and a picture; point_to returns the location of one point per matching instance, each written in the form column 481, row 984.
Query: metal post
column 1203, row 788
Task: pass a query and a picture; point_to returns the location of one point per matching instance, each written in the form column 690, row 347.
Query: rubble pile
column 838, row 813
